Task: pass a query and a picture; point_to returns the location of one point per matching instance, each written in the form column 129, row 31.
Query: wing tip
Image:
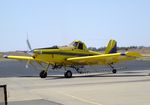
column 5, row 56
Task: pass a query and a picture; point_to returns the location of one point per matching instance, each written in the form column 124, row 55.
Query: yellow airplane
column 76, row 56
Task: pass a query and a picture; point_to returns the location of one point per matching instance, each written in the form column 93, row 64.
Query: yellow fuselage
column 60, row 55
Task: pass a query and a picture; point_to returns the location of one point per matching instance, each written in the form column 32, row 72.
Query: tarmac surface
column 130, row 86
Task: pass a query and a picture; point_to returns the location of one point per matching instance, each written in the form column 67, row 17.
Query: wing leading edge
column 90, row 60
column 19, row 57
column 105, row 58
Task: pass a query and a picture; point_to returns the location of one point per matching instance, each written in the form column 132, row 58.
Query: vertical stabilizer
column 111, row 47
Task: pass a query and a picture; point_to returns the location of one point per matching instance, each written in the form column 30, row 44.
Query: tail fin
column 111, row 47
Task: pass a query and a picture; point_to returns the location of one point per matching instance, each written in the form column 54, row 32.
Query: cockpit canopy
column 78, row 45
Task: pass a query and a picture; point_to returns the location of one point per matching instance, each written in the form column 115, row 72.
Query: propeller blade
column 29, row 46
column 28, row 43
column 27, row 64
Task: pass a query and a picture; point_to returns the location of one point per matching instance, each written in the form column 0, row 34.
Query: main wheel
column 68, row 74
column 114, row 71
column 43, row 74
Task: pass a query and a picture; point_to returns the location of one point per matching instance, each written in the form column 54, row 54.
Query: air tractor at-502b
column 76, row 56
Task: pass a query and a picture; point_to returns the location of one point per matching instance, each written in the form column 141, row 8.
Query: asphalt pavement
column 130, row 86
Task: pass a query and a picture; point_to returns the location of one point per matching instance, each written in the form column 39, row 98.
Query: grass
column 144, row 58
column 1, row 56
column 145, row 52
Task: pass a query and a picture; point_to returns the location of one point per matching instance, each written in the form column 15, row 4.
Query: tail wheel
column 43, row 74
column 114, row 71
column 68, row 74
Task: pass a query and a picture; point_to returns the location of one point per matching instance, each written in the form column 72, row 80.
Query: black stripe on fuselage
column 68, row 54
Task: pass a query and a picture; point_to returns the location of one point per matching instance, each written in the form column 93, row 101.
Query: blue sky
column 59, row 22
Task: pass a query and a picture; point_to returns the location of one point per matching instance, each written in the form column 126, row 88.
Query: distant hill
column 15, row 53
column 144, row 50
column 140, row 49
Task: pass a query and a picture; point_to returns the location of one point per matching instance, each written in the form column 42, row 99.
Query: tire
column 43, row 74
column 114, row 71
column 68, row 74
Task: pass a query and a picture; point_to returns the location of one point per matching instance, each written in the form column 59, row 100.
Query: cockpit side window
column 80, row 46
column 75, row 44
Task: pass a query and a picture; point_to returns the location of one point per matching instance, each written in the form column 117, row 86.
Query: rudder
column 111, row 47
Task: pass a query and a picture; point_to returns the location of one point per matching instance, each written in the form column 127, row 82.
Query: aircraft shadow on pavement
column 99, row 75
column 127, row 74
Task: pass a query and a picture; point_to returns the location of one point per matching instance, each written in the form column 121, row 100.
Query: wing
column 19, row 57
column 105, row 59
column 25, row 57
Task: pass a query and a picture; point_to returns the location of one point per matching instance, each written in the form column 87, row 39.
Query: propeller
column 27, row 64
column 30, row 52
column 28, row 43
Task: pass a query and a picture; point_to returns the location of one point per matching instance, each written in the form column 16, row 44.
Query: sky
column 59, row 22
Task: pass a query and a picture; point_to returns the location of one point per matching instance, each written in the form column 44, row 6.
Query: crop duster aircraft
column 76, row 56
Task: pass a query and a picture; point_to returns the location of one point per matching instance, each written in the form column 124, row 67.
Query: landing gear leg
column 114, row 71
column 43, row 73
column 77, row 69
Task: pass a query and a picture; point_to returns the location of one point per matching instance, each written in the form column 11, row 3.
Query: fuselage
column 60, row 54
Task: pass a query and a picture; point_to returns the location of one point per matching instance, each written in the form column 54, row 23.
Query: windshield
column 75, row 44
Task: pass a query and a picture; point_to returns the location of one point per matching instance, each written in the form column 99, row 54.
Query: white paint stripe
column 81, row 99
